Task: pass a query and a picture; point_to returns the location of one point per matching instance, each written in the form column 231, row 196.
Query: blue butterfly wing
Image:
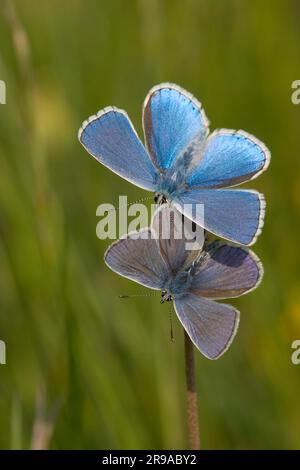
column 226, row 271
column 229, row 158
column 138, row 258
column 172, row 119
column 236, row 215
column 110, row 137
column 210, row 325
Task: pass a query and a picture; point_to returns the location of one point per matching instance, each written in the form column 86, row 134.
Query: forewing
column 226, row 271
column 137, row 257
column 172, row 120
column 110, row 137
column 210, row 325
column 229, row 158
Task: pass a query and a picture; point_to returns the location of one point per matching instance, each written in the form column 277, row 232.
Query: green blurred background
column 84, row 369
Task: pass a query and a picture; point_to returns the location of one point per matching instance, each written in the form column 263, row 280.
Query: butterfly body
column 178, row 285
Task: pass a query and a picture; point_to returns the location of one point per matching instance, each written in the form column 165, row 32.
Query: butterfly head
column 160, row 198
column 165, row 297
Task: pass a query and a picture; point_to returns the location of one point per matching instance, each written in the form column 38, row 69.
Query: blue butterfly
column 181, row 163
column 192, row 279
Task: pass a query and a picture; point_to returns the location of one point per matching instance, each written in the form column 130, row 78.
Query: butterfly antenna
column 171, row 324
column 125, row 296
column 130, row 203
column 140, row 200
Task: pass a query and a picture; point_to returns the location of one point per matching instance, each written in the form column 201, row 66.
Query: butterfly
column 181, row 163
column 193, row 280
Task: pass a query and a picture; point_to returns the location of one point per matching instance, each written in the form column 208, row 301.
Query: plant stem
column 192, row 408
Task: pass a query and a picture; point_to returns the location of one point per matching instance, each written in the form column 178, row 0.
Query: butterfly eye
column 156, row 198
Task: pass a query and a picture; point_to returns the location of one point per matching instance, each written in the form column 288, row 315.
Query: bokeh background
column 84, row 369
